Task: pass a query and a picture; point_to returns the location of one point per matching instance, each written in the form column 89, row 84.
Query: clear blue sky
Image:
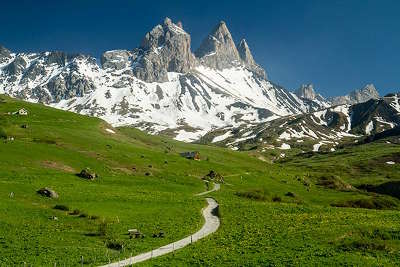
column 336, row 45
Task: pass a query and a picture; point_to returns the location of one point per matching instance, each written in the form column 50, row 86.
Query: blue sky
column 336, row 45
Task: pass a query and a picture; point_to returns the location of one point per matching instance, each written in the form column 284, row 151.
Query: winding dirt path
column 211, row 225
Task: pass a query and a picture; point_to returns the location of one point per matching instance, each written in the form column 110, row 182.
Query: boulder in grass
column 214, row 176
column 87, row 173
column 47, row 192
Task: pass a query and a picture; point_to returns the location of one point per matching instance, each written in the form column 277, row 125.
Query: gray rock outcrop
column 116, row 59
column 306, row 91
column 357, row 96
column 248, row 60
column 47, row 192
column 166, row 48
column 218, row 49
column 5, row 54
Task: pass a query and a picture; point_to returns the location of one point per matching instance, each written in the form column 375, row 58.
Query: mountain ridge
column 160, row 86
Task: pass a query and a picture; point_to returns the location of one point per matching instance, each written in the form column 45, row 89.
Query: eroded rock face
column 248, row 60
column 218, row 50
column 306, row 91
column 166, row 48
column 116, row 59
column 5, row 54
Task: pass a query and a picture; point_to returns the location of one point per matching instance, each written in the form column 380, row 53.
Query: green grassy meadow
column 289, row 212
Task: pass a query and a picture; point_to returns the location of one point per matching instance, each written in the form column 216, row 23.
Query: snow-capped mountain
column 324, row 128
column 159, row 86
column 357, row 96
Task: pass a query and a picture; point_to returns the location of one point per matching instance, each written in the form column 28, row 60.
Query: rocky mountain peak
column 245, row 53
column 218, row 49
column 357, row 96
column 306, row 91
column 166, row 48
column 247, row 58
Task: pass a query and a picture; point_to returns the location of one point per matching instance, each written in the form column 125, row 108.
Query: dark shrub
column 61, row 207
column 276, row 199
column 115, row 244
column 290, row 194
column 256, row 194
column 103, row 228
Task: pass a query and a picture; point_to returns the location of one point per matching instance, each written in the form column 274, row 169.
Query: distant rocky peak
column 357, row 96
column 247, row 58
column 160, row 33
column 370, row 90
column 218, row 49
column 179, row 24
column 306, row 91
column 245, row 53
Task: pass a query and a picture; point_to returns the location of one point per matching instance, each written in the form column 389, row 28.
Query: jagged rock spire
column 166, row 48
column 248, row 60
column 218, row 49
column 245, row 53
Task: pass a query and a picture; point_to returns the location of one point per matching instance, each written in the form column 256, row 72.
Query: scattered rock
column 214, row 176
column 290, row 194
column 47, row 192
column 87, row 173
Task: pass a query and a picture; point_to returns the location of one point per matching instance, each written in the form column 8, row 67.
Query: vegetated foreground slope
column 277, row 213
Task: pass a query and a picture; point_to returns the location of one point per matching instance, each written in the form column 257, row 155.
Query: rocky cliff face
column 166, row 48
column 357, row 96
column 306, row 91
column 248, row 60
column 218, row 50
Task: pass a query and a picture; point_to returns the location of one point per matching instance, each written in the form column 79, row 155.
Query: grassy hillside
column 271, row 214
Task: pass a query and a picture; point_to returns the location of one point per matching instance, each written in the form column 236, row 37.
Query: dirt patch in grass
column 58, row 166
